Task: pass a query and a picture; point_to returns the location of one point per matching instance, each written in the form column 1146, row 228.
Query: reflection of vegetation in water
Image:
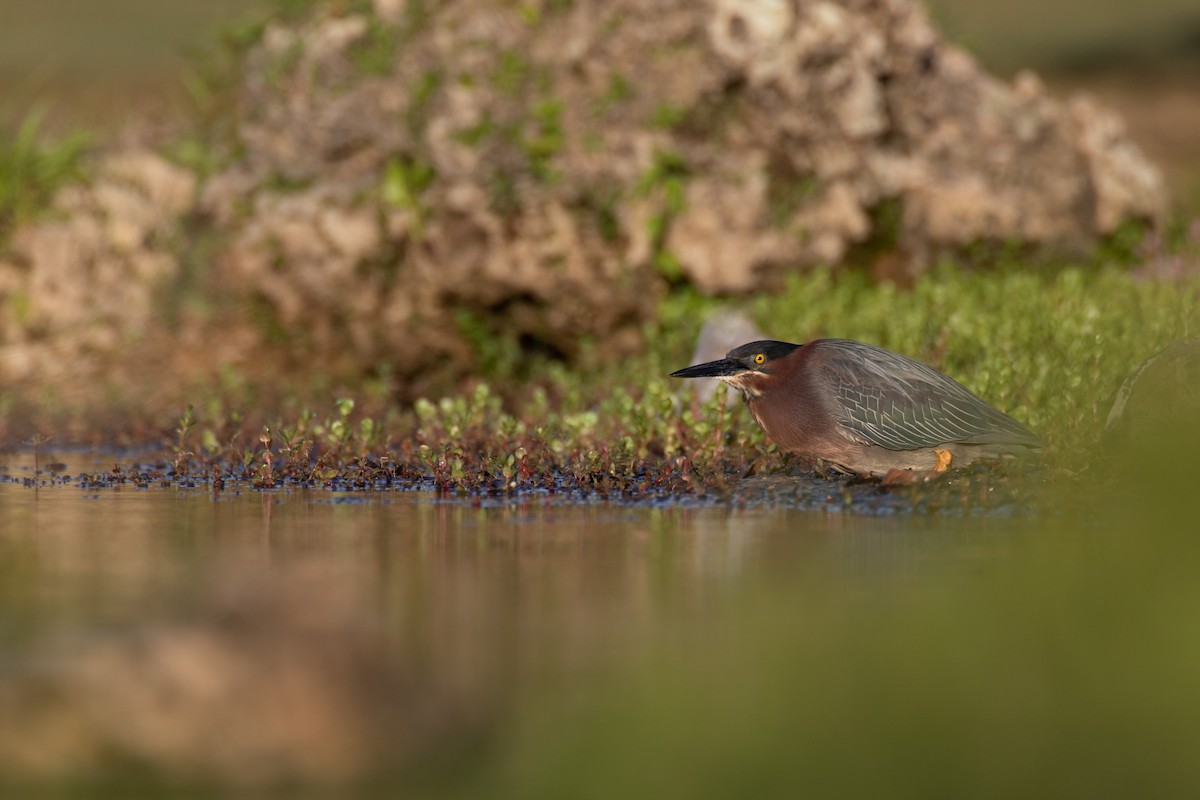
column 1061, row 665
column 704, row 653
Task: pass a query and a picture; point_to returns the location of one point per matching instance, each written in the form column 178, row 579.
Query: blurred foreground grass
column 1061, row 664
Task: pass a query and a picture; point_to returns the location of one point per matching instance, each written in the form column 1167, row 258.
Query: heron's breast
column 794, row 421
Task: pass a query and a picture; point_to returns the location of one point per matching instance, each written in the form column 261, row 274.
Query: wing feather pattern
column 890, row 400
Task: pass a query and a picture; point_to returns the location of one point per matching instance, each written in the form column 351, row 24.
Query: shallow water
column 79, row 559
column 342, row 631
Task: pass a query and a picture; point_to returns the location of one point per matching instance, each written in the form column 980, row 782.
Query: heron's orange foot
column 944, row 457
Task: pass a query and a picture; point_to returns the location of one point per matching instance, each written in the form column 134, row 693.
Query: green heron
column 863, row 409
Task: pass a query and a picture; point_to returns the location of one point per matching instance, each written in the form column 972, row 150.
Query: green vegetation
column 376, row 51
column 282, row 183
column 620, row 90
column 1051, row 348
column 602, row 204
column 546, row 140
column 496, row 356
column 32, row 171
column 530, row 14
column 423, row 95
column 511, row 72
column 787, row 193
column 404, row 181
column 664, row 182
column 477, row 133
column 667, row 116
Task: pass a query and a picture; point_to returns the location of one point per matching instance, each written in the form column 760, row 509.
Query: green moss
column 511, row 72
column 280, row 183
column 601, row 203
column 502, row 192
column 530, row 14
column 417, row 16
column 496, row 354
column 667, row 170
column 477, row 133
column 664, row 181
column 192, row 152
column 620, row 90
column 375, row 52
column 404, row 181
column 787, row 193
column 422, row 98
column 1123, row 245
column 887, row 222
column 667, row 264
column 546, row 139
column 707, row 118
column 18, row 303
column 266, row 318
column 667, row 116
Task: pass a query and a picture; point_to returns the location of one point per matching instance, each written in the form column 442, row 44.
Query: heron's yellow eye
column 760, row 358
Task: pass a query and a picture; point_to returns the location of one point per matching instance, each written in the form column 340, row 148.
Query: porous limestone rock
column 542, row 171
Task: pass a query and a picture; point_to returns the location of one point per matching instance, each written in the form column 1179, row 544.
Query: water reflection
column 371, row 610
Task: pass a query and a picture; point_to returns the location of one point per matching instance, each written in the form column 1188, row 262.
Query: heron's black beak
column 713, row 369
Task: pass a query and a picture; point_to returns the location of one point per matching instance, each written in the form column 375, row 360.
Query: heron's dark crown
column 770, row 349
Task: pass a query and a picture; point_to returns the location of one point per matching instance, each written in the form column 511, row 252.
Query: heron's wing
column 892, row 401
